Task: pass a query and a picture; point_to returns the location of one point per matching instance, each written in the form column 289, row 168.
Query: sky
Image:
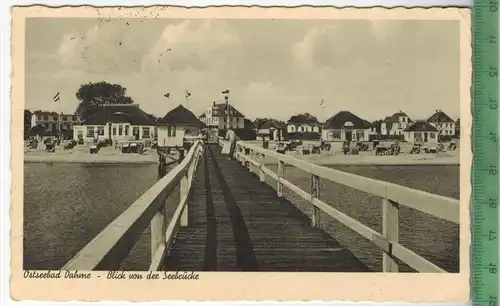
column 273, row 68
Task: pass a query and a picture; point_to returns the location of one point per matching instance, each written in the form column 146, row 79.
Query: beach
column 80, row 154
column 336, row 157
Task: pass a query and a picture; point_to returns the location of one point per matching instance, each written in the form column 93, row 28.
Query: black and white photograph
column 242, row 145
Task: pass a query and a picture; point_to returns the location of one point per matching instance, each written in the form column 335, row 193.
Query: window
column 173, row 131
column 135, row 131
column 432, row 135
column 46, row 117
column 169, row 131
column 100, row 130
column 120, row 130
column 114, row 131
column 74, row 118
column 90, row 131
column 145, row 132
column 126, row 130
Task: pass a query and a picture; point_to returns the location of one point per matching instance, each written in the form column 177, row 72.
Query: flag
column 226, row 91
column 56, row 97
column 188, row 94
column 167, row 95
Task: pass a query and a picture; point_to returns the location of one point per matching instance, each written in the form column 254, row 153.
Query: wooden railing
column 110, row 247
column 392, row 195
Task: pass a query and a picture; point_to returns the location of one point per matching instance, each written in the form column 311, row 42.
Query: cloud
column 199, row 44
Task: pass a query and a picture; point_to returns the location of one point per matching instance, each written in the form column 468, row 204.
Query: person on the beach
column 231, row 136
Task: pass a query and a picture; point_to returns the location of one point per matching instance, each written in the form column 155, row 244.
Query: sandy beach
column 80, row 154
column 336, row 157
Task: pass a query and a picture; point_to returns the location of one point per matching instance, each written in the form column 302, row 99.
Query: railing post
column 390, row 212
column 314, row 194
column 281, row 174
column 158, row 230
column 184, row 189
column 262, row 175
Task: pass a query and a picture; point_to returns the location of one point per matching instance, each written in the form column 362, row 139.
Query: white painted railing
column 392, row 195
column 110, row 247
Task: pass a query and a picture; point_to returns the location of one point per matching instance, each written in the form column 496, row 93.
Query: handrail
column 110, row 247
column 392, row 195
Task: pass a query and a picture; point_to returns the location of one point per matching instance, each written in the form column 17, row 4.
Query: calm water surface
column 67, row 205
column 435, row 239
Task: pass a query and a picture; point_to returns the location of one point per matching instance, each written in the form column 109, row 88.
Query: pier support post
column 184, row 189
column 390, row 212
column 281, row 174
column 315, row 194
column 158, row 231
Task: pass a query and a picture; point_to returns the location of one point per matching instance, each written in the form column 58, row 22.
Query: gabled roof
column 180, row 116
column 439, row 116
column 272, row 123
column 421, row 126
column 219, row 110
column 339, row 120
column 116, row 113
column 395, row 117
column 248, row 124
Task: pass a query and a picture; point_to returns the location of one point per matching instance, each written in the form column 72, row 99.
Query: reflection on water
column 67, row 205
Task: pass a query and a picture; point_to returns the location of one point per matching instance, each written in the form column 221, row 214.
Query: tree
column 378, row 126
column 93, row 96
column 305, row 117
column 27, row 122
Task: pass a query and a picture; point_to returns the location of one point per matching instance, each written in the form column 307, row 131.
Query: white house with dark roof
column 271, row 129
column 346, row 126
column 443, row 123
column 395, row 124
column 303, row 123
column 216, row 117
column 176, row 125
column 118, row 122
column 421, row 132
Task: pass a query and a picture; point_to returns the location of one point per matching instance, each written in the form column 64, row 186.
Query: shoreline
column 373, row 162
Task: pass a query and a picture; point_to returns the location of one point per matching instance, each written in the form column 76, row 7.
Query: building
column 53, row 123
column 345, row 126
column 303, row 123
column 118, row 122
column 395, row 124
column 271, row 129
column 444, row 124
column 215, row 117
column 176, row 125
column 421, row 132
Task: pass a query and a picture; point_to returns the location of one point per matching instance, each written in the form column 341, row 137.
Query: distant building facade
column 395, row 124
column 303, row 123
column 443, row 123
column 421, row 132
column 271, row 129
column 346, row 126
column 118, row 122
column 216, row 117
column 176, row 125
column 53, row 123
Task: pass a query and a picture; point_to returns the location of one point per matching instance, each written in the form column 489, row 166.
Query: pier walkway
column 213, row 214
column 237, row 223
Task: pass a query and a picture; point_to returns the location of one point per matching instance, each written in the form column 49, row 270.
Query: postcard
column 240, row 153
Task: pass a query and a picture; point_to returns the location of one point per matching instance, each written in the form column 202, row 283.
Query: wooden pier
column 226, row 218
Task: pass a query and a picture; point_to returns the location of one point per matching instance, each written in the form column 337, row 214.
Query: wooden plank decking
column 237, row 223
